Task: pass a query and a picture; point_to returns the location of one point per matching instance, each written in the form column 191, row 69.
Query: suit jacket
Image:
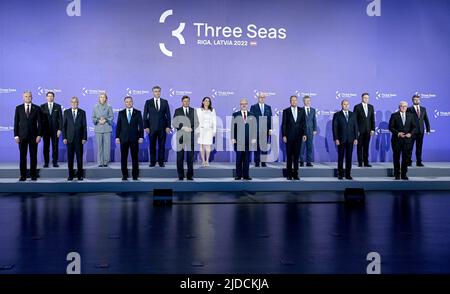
column 396, row 126
column 27, row 127
column 156, row 120
column 256, row 110
column 132, row 131
column 74, row 131
column 51, row 122
column 345, row 132
column 178, row 123
column 365, row 124
column 291, row 129
column 420, row 120
column 243, row 132
column 311, row 121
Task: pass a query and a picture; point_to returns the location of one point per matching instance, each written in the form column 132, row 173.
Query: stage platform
column 220, row 177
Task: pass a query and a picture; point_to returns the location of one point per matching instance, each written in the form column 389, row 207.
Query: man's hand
column 38, row 139
column 285, row 139
column 65, row 141
column 58, row 133
column 83, row 141
column 17, row 140
column 253, row 141
column 315, row 133
column 355, row 142
column 147, row 130
column 117, row 141
column 141, row 140
column 187, row 129
column 401, row 134
column 168, row 130
column 408, row 135
column 372, row 133
column 304, row 138
column 233, row 141
column 337, row 142
column 270, row 132
column 427, row 133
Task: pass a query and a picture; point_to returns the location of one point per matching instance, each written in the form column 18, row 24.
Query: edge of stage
column 220, row 177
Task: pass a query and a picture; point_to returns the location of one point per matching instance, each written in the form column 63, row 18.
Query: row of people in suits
column 298, row 129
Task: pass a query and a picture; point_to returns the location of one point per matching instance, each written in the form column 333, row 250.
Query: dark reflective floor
column 246, row 233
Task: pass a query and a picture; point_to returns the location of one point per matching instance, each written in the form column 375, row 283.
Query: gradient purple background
column 330, row 46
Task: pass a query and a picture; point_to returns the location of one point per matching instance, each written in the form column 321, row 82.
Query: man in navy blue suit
column 263, row 114
column 311, row 130
column 157, row 124
column 243, row 137
column 345, row 134
column 420, row 115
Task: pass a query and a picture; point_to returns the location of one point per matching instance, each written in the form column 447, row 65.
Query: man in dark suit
column 421, row 117
column 403, row 127
column 185, row 120
column 243, row 138
column 365, row 117
column 129, row 134
column 311, row 131
column 52, row 120
column 27, row 133
column 293, row 131
column 157, row 125
column 263, row 114
column 74, row 133
column 345, row 134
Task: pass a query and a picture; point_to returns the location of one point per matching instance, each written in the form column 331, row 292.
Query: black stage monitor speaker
column 162, row 196
column 354, row 196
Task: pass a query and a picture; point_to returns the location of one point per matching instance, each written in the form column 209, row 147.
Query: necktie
column 418, row 111
column 365, row 109
column 186, row 112
column 129, row 115
column 245, row 115
column 307, row 111
column 28, row 110
column 50, row 108
column 157, row 104
column 294, row 112
column 262, row 109
column 346, row 116
column 74, row 115
column 403, row 118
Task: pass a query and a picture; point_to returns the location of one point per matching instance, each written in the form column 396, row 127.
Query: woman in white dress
column 206, row 129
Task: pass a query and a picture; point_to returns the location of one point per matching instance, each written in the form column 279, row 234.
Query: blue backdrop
column 328, row 49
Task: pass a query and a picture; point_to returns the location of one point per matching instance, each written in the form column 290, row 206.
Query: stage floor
column 220, row 177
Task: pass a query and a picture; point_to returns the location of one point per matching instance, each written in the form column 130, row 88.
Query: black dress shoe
column 100, row 165
column 289, row 178
column 349, row 177
column 247, row 178
column 263, row 164
column 46, row 165
column 340, row 177
column 256, row 164
column 420, row 164
column 309, row 164
column 302, row 164
column 105, row 165
column 359, row 164
column 409, row 164
column 237, row 178
column 80, row 178
column 70, row 178
column 55, row 165
column 34, row 178
column 135, row 178
column 397, row 177
column 190, row 178
column 367, row 165
column 405, row 178
column 124, row 178
column 296, row 178
column 162, row 165
column 152, row 164
column 22, row 179
column 180, row 178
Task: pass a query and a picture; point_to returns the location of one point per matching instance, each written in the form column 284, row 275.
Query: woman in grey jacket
column 102, row 117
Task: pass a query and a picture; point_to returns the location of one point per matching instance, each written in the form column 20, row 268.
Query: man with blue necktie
column 263, row 114
column 311, row 130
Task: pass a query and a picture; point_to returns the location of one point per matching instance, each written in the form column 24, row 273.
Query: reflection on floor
column 307, row 232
